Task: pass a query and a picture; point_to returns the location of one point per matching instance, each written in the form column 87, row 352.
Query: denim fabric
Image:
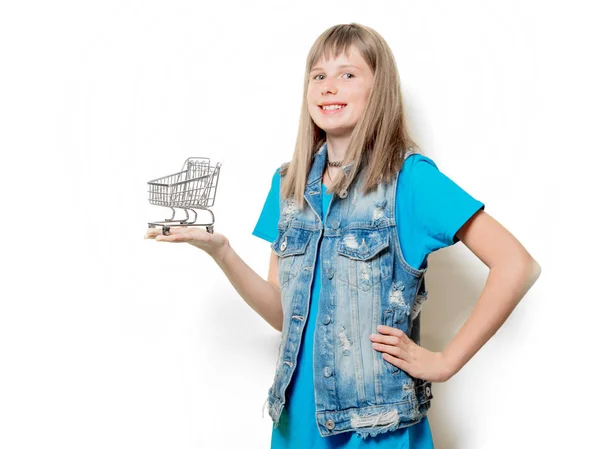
column 297, row 428
column 430, row 209
column 365, row 282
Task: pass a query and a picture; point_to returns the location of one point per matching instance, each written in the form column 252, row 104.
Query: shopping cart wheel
column 165, row 230
column 210, row 229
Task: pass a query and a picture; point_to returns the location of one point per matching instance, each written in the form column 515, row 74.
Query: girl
column 351, row 220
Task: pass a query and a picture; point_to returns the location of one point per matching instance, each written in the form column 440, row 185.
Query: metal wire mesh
column 195, row 186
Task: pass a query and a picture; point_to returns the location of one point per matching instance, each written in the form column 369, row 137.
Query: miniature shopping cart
column 194, row 187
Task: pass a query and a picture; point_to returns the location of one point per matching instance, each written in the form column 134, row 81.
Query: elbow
column 276, row 322
column 531, row 272
column 536, row 270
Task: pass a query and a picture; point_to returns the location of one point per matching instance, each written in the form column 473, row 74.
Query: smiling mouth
column 331, row 110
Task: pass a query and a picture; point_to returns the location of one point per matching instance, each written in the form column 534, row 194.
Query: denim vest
column 365, row 282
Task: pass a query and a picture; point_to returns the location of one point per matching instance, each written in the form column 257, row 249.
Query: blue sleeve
column 266, row 226
column 439, row 206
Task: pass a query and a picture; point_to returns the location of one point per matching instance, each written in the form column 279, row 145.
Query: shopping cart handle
column 185, row 164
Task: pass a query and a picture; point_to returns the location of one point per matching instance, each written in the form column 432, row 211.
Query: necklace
column 333, row 163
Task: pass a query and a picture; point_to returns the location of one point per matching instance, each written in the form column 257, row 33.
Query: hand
column 214, row 244
column 399, row 350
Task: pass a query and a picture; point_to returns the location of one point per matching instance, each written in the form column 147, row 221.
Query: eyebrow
column 339, row 67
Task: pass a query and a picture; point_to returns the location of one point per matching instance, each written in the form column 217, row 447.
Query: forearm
column 506, row 285
column 262, row 296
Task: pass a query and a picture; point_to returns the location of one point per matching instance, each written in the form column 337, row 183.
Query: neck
column 336, row 147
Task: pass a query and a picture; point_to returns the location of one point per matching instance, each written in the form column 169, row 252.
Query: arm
column 263, row 296
column 512, row 273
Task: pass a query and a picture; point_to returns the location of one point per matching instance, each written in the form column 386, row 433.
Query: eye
column 347, row 73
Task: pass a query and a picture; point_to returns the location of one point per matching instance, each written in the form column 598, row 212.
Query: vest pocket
column 290, row 246
column 366, row 257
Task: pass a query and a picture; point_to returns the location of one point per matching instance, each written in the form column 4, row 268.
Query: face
column 345, row 81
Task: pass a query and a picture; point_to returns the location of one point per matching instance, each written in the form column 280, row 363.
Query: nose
column 326, row 89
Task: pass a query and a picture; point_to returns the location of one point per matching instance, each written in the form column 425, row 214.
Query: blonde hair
column 379, row 140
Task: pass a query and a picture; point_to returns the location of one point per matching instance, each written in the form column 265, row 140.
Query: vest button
column 283, row 244
column 329, row 273
column 327, row 371
column 335, row 224
column 330, row 424
column 326, row 319
column 343, row 194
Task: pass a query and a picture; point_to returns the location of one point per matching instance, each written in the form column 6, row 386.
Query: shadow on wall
column 454, row 280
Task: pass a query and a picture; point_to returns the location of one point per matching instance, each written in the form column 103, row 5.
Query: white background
column 110, row 340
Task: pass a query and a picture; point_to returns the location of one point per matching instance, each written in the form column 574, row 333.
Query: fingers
column 176, row 229
column 153, row 232
column 391, row 349
column 171, row 238
column 397, row 362
column 178, row 234
column 395, row 338
column 389, row 330
column 386, row 340
column 175, row 234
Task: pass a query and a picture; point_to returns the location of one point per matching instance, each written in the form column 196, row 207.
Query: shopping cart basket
column 194, row 187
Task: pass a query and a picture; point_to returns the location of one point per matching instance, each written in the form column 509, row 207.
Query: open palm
column 213, row 243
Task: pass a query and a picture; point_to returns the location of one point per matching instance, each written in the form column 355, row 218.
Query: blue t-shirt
column 430, row 209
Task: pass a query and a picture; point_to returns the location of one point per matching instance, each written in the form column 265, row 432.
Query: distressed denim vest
column 365, row 282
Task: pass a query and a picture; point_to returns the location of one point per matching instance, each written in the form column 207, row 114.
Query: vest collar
column 318, row 166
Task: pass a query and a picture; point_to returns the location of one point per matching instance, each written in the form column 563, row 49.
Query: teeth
column 332, row 107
